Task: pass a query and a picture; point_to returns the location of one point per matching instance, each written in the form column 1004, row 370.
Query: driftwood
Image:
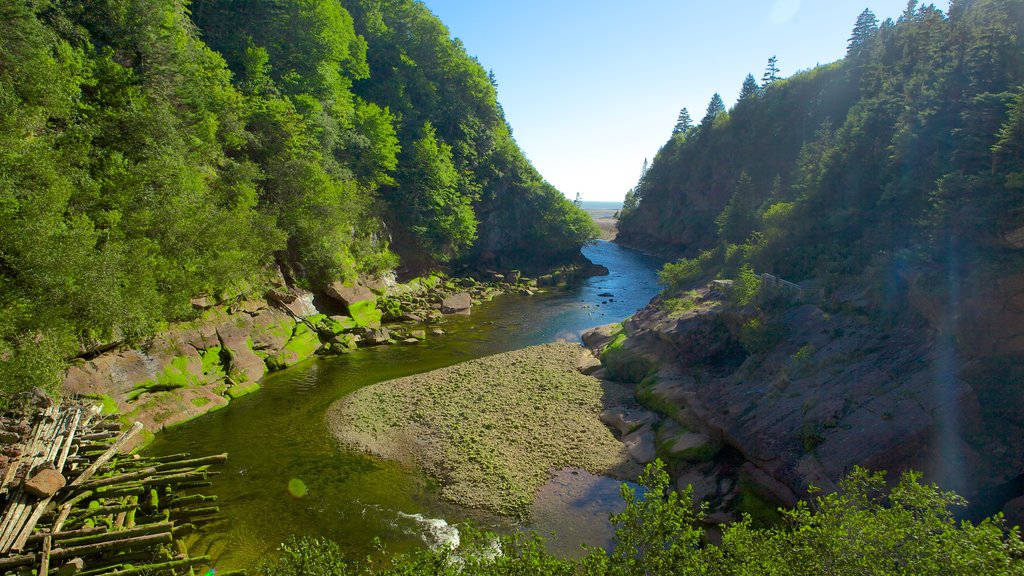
column 124, row 515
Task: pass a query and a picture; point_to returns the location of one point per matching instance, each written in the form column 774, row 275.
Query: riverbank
column 490, row 430
column 192, row 368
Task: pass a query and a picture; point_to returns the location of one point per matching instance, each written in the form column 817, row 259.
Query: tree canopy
column 155, row 150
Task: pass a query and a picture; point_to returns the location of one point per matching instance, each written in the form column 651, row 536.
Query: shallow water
column 279, row 435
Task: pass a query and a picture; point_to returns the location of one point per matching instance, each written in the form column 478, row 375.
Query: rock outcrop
column 798, row 396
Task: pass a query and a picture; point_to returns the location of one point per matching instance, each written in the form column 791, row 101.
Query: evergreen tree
column 750, row 88
column 863, row 30
column 715, row 107
column 771, row 72
column 683, row 122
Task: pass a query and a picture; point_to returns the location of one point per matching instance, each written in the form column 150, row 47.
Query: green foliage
column 910, row 145
column 865, row 528
column 306, row 557
column 153, row 150
column 746, row 287
column 680, row 305
column 675, row 275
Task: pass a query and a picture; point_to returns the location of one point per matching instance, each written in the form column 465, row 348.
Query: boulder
column 418, row 334
column 457, row 304
column 640, row 444
column 349, row 294
column 45, row 483
column 297, row 301
column 377, row 336
column 588, row 363
column 599, row 337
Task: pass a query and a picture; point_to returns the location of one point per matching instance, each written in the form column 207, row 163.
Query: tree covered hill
column 153, row 150
column 908, row 152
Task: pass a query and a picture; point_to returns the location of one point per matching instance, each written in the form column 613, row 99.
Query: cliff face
column 804, row 392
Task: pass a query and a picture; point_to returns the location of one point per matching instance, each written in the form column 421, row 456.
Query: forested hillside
column 905, row 155
column 154, row 150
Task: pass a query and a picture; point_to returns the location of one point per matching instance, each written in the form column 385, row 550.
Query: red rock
column 45, row 483
column 457, row 304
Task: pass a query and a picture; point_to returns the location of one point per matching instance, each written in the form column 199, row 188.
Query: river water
column 287, row 475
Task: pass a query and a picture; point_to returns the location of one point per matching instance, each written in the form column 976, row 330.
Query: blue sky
column 592, row 88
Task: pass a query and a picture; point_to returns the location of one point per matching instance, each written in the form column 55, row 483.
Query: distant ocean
column 601, row 209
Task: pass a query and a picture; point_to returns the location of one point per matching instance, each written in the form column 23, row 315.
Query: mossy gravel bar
column 489, row 430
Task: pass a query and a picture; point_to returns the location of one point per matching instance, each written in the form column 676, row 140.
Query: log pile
column 72, row 503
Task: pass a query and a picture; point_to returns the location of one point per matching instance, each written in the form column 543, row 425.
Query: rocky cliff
column 799, row 393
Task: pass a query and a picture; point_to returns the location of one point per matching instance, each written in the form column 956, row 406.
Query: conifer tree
column 749, row 89
column 865, row 27
column 683, row 122
column 771, row 72
column 715, row 107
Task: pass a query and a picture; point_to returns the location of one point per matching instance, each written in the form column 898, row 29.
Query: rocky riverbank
column 789, row 394
column 492, row 430
column 195, row 367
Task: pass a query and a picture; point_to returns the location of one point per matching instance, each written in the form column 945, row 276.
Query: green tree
column 715, row 108
column 750, row 89
column 683, row 122
column 771, row 72
column 863, row 31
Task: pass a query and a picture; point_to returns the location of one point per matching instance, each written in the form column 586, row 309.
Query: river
column 287, row 475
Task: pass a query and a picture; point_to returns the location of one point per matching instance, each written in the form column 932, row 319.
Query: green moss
column 238, row 390
column 109, row 405
column 336, row 325
column 365, row 314
column 624, row 365
column 175, row 375
column 762, row 513
column 303, row 343
column 213, row 363
column 200, row 401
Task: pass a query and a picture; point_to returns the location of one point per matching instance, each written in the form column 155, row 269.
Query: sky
column 593, row 87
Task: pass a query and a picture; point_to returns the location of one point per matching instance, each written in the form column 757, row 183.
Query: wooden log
column 109, row 535
column 176, row 478
column 44, row 562
column 67, row 534
column 97, row 436
column 102, row 511
column 12, row 519
column 171, row 457
column 65, row 510
column 193, row 463
column 190, row 512
column 186, row 563
column 19, row 560
column 114, row 480
column 190, row 499
column 23, row 511
column 30, row 524
column 122, row 544
column 62, row 460
column 110, row 453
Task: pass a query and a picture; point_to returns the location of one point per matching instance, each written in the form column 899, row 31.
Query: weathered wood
column 193, row 463
column 166, row 566
column 67, row 534
column 190, row 499
column 65, row 510
column 110, row 453
column 109, row 535
column 123, row 544
column 44, row 562
column 70, row 438
column 176, row 478
column 114, row 480
column 194, row 512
